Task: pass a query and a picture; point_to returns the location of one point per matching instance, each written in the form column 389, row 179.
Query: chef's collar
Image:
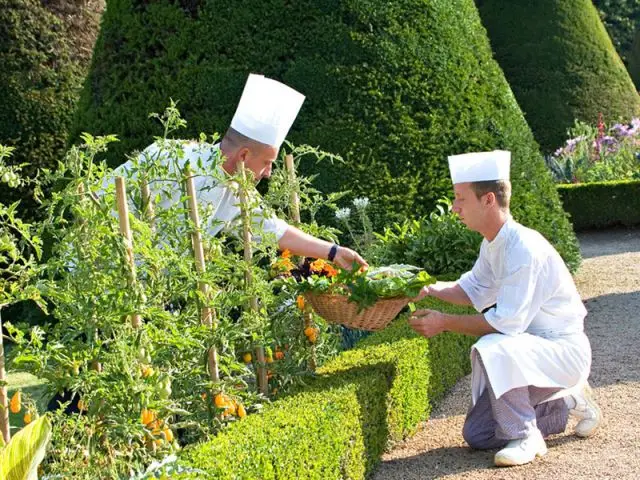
column 502, row 233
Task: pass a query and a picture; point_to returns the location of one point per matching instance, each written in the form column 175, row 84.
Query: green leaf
column 19, row 460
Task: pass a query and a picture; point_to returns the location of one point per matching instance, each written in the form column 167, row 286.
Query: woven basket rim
column 374, row 317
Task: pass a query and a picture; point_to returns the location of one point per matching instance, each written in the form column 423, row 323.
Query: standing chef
column 264, row 115
column 531, row 363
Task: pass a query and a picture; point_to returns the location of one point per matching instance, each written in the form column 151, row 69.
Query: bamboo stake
column 4, row 400
column 263, row 381
column 125, row 230
column 148, row 209
column 295, row 213
column 207, row 314
column 295, row 200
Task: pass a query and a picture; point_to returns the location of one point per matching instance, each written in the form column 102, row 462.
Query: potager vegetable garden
column 162, row 334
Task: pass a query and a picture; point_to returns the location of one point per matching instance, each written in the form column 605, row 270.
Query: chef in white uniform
column 531, row 363
column 265, row 113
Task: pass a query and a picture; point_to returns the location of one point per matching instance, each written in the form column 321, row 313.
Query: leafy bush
column 440, row 243
column 622, row 19
column 141, row 389
column 602, row 204
column 393, row 87
column 561, row 67
column 597, row 154
column 363, row 401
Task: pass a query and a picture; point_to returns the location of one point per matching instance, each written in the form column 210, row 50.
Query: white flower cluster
column 361, row 203
column 343, row 213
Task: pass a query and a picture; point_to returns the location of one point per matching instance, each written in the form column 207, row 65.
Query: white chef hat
column 266, row 110
column 480, row 166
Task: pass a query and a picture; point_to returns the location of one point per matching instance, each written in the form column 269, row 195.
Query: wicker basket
column 338, row 309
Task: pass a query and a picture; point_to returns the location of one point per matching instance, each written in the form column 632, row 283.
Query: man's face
column 260, row 161
column 468, row 207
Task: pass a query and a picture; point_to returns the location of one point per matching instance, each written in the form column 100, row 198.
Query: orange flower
column 283, row 265
column 330, row 271
column 300, row 302
column 286, row 253
column 317, row 265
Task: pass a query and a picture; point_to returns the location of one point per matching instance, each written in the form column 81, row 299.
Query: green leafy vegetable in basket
column 367, row 287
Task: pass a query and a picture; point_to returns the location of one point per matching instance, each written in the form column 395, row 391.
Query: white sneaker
column 521, row 451
column 588, row 411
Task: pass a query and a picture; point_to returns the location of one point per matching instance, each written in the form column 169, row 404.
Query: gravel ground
column 609, row 282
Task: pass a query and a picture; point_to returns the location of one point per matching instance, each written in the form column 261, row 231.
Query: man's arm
column 303, row 244
column 430, row 323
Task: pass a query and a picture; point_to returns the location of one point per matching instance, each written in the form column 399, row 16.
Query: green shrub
column 633, row 59
column 621, row 19
column 602, row 204
column 440, row 243
column 365, row 400
column 40, row 82
column 394, row 87
column 561, row 67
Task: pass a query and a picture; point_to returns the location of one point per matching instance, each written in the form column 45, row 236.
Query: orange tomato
column 147, row 416
column 241, row 411
column 27, row 418
column 168, row 434
column 300, row 302
column 15, row 405
column 221, row 400
column 279, row 355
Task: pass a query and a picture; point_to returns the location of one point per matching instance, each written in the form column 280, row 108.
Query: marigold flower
column 286, row 253
column 330, row 271
column 317, row 265
column 300, row 302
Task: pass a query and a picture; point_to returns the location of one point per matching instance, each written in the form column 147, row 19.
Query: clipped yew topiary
column 560, row 63
column 394, row 87
column 45, row 49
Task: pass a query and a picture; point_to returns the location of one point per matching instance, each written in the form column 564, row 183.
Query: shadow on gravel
column 439, row 462
column 445, row 461
column 613, row 241
column 613, row 328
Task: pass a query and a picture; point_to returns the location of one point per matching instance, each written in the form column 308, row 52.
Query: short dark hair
column 236, row 139
column 500, row 188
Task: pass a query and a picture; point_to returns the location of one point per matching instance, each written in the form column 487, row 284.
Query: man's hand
column 345, row 257
column 424, row 292
column 428, row 323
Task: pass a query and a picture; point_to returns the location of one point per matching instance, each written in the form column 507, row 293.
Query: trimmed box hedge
column 338, row 427
column 602, row 204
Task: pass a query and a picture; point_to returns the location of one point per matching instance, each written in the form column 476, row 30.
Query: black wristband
column 332, row 252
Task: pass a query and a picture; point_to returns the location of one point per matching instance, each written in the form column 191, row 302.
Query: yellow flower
column 317, row 265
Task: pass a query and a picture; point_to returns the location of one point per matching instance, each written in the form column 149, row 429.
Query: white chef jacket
column 539, row 315
column 210, row 192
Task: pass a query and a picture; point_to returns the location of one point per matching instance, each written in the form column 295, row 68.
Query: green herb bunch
column 366, row 287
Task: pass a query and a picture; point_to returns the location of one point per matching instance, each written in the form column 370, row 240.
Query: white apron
column 523, row 360
column 537, row 311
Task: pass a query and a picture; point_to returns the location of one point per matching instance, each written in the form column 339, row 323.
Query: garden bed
column 338, row 427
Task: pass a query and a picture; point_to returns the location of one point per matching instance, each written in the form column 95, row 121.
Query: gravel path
column 609, row 282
